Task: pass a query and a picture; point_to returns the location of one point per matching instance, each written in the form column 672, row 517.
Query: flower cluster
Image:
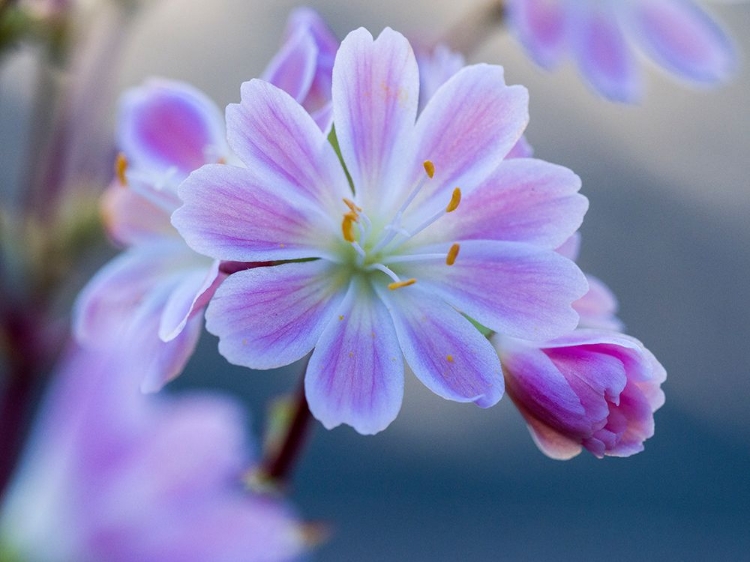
column 372, row 208
column 676, row 34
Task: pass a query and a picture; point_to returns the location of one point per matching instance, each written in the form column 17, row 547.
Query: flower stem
column 469, row 33
column 21, row 381
column 278, row 465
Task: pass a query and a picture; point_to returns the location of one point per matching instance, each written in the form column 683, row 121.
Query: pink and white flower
column 677, row 35
column 111, row 474
column 435, row 226
column 152, row 295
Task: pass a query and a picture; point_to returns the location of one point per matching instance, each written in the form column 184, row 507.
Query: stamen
column 385, row 269
column 121, row 166
column 221, row 160
column 352, row 207
column 401, row 284
column 452, row 206
column 359, row 249
column 394, row 228
column 452, row 254
column 455, row 200
column 347, row 226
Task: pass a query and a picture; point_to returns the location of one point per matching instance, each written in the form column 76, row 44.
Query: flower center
column 377, row 251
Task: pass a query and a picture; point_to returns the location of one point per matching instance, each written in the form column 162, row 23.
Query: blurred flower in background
column 111, row 474
column 677, row 35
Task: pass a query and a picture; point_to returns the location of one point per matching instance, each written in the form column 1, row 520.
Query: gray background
column 668, row 230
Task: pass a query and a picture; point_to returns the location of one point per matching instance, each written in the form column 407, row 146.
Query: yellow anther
column 449, row 358
column 401, row 284
column 455, row 200
column 347, row 226
column 450, row 259
column 121, row 166
column 352, row 207
column 429, row 167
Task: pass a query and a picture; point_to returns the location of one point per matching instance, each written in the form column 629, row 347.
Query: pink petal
column 318, row 95
column 165, row 124
column 538, row 387
column 272, row 316
column 292, row 69
column 190, row 295
column 230, row 213
column 683, row 39
column 436, row 66
column 603, row 55
column 284, row 149
column 515, row 289
column 445, row 351
column 466, row 130
column 598, row 307
column 356, row 373
column 375, row 97
column 522, row 149
column 523, row 200
column 571, row 248
column 541, row 28
column 131, row 219
column 109, row 302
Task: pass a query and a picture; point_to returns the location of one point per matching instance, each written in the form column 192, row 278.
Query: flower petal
column 284, row 148
column 523, row 200
column 318, row 95
column 108, row 303
column 356, row 373
column 271, row 316
column 541, row 28
column 165, row 124
column 514, row 289
column 375, row 97
column 293, row 67
column 682, row 38
column 445, row 351
column 598, row 307
column 132, row 219
column 158, row 361
column 538, row 388
column 466, row 130
column 191, row 294
column 603, row 55
column 231, row 214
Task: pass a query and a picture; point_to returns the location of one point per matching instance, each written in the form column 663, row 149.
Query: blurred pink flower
column 111, row 474
column 676, row 34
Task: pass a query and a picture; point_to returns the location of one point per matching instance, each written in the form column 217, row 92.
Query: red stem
column 278, row 467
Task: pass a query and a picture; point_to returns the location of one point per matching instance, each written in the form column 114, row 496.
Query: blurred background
column 668, row 229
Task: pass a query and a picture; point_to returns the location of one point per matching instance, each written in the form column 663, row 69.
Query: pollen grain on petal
column 401, row 284
column 429, row 168
column 121, row 166
column 449, row 358
column 450, row 259
column 455, row 200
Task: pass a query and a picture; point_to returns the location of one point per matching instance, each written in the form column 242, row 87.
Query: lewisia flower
column 594, row 388
column 435, row 226
column 676, row 34
column 154, row 292
column 111, row 474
